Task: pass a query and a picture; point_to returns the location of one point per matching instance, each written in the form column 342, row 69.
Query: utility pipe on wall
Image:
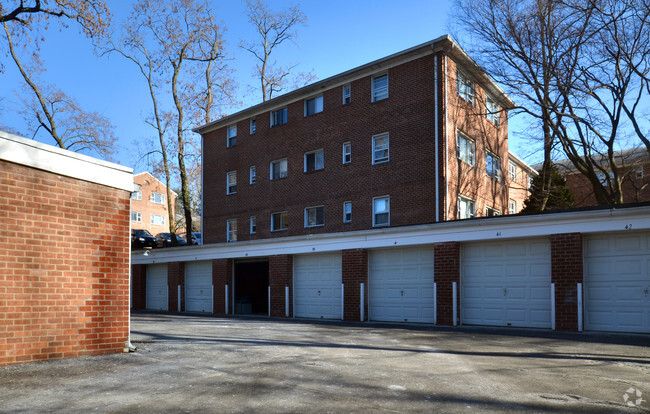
column 363, row 300
column 454, row 290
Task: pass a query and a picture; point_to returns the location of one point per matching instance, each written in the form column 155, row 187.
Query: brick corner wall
column 355, row 272
column 176, row 278
column 139, row 287
column 446, row 265
column 566, row 273
column 221, row 276
column 281, row 276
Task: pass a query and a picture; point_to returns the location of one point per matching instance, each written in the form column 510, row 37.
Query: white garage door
column 506, row 283
column 401, row 285
column 198, row 286
column 317, row 286
column 157, row 287
column 617, row 283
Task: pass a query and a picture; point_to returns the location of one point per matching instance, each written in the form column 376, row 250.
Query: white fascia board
column 498, row 228
column 23, row 151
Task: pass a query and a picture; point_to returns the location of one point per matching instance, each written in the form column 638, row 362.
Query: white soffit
column 23, row 151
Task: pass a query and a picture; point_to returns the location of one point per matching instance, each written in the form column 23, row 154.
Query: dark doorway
column 251, row 288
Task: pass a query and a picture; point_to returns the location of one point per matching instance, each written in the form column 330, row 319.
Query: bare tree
column 273, row 30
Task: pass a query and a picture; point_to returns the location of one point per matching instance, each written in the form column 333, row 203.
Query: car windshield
column 142, row 233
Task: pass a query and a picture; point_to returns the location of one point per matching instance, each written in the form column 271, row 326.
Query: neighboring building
column 64, row 262
column 417, row 137
column 149, row 204
column 519, row 178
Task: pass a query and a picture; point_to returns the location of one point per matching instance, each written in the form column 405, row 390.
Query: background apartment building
column 149, row 204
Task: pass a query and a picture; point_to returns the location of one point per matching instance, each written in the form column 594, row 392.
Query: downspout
column 128, row 346
column 202, row 210
column 446, row 147
column 435, row 122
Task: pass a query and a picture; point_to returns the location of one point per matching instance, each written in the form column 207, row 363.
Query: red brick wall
column 64, row 266
column 139, row 287
column 222, row 276
column 446, row 264
column 149, row 184
column 634, row 189
column 566, row 273
column 354, row 272
column 176, row 277
column 280, row 276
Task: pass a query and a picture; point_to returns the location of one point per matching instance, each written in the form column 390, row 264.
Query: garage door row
column 506, row 283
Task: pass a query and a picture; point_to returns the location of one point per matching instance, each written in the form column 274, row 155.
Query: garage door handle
column 402, row 293
column 319, row 293
column 505, row 291
column 645, row 291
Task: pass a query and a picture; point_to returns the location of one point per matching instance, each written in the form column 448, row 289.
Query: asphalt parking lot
column 207, row 364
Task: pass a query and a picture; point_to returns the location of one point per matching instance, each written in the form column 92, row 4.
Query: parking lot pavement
column 207, row 364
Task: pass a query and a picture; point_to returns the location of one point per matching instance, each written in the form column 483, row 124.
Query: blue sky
column 339, row 35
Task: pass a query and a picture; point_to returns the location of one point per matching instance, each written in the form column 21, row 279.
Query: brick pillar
column 446, row 265
column 175, row 277
column 222, row 276
column 566, row 273
column 139, row 286
column 355, row 272
column 280, row 276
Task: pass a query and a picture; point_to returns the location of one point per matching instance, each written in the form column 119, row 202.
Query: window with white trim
column 314, row 160
column 529, row 181
column 157, row 198
column 231, row 182
column 136, row 195
column 491, row 212
column 465, row 87
column 379, row 87
column 315, row 216
column 253, row 224
column 512, row 207
column 231, row 136
column 492, row 165
column 347, row 94
column 279, row 221
column 279, row 117
column 253, row 126
column 252, row 175
column 278, row 169
column 381, row 211
column 313, row 105
column 492, row 110
column 512, row 168
column 136, row 216
column 347, row 212
column 465, row 149
column 157, row 220
column 639, row 171
column 231, row 228
column 466, row 208
column 380, row 148
column 347, row 153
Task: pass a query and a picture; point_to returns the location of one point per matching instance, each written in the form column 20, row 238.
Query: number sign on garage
column 157, row 287
column 317, row 286
column 401, row 285
column 198, row 286
column 617, row 282
column 506, row 283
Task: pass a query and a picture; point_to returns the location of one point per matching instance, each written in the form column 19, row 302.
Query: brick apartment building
column 149, row 204
column 519, row 178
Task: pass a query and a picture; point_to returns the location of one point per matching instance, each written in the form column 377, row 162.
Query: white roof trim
column 23, row 151
column 497, row 228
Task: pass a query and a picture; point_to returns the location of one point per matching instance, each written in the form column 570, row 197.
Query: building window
column 253, row 175
column 491, row 212
column 314, row 216
column 639, row 171
column 347, row 153
column 136, row 216
column 231, row 180
column 157, row 198
column 232, row 136
column 492, row 110
column 232, row 230
column 466, row 149
column 380, row 148
column 465, row 87
column 253, row 126
column 347, row 94
column 512, row 168
column 279, row 221
column 253, row 225
column 279, row 117
column 466, row 208
column 136, row 195
column 157, row 220
column 492, row 167
column 381, row 211
column 512, row 207
column 314, row 160
column 313, row 106
column 529, row 181
column 278, row 169
column 347, row 212
column 379, row 87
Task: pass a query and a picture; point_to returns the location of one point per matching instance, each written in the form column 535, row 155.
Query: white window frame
column 469, row 203
column 512, row 204
column 157, row 198
column 231, row 230
column 379, row 93
column 282, row 162
column 347, row 152
column 138, row 216
column 314, row 210
column 375, row 213
column 231, row 182
column 492, row 210
column 465, row 149
column 347, row 212
column 346, row 93
column 253, row 126
column 284, row 226
column 512, row 170
column 495, row 172
column 136, row 195
column 318, row 105
column 465, row 87
column 492, row 110
column 231, row 136
column 253, row 225
column 285, row 118
column 385, row 158
column 319, row 155
column 638, row 172
column 153, row 221
column 252, row 175
column 529, row 181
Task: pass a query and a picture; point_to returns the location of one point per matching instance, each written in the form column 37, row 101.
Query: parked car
column 165, row 240
column 141, row 238
column 196, row 238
